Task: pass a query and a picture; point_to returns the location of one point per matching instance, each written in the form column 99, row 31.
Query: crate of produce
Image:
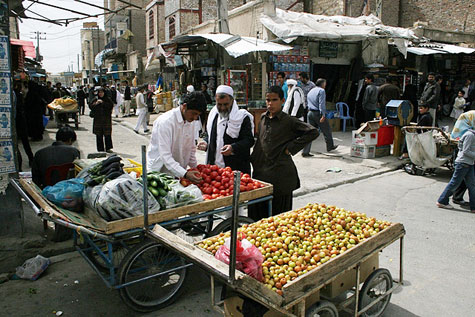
column 364, row 138
column 363, row 151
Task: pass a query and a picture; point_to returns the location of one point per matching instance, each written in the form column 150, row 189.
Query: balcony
column 119, row 45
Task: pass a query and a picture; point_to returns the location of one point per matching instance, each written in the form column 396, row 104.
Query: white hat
column 190, row 88
column 291, row 82
column 225, row 89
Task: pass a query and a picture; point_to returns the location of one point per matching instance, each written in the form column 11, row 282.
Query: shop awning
column 235, row 45
column 288, row 25
column 101, row 56
column 439, row 48
column 28, row 47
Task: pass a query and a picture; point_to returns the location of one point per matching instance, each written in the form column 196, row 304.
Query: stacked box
column 363, row 151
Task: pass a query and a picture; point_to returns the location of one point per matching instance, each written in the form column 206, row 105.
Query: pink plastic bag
column 248, row 258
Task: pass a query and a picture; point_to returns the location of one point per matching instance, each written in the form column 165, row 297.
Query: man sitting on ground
column 59, row 153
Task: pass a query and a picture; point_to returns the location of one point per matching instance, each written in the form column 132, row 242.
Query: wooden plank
column 174, row 213
column 244, row 284
column 318, row 277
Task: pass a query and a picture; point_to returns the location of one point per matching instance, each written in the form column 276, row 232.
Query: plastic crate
column 363, row 151
column 385, row 135
column 364, row 138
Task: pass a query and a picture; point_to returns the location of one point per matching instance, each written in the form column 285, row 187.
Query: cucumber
column 153, row 184
column 154, row 191
column 162, row 192
column 149, row 177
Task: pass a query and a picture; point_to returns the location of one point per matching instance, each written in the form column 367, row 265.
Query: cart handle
column 415, row 127
column 38, row 211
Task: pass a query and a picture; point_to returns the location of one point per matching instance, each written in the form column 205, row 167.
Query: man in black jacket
column 230, row 133
column 127, row 99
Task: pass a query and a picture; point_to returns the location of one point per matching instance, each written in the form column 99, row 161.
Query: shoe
column 448, row 206
column 109, row 151
column 403, row 157
column 307, row 154
column 460, row 202
column 333, row 148
column 146, row 131
column 136, row 131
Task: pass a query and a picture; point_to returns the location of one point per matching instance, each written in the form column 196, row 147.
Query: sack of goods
column 64, row 104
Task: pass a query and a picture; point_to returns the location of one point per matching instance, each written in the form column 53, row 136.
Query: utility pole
column 223, row 25
column 79, row 70
column 37, row 37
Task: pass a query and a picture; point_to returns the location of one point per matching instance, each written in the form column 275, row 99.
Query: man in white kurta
column 172, row 147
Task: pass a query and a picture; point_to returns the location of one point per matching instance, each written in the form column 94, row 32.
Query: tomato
column 250, row 187
column 218, row 178
column 185, row 182
column 221, row 171
column 214, row 167
column 245, row 175
column 208, row 190
column 228, row 169
column 217, row 184
column 225, row 179
column 214, row 175
column 213, row 183
column 214, row 196
column 231, row 187
column 200, row 166
column 215, row 191
column 206, row 197
column 222, row 192
column 207, row 171
column 242, row 188
column 225, row 185
column 207, row 179
column 221, row 187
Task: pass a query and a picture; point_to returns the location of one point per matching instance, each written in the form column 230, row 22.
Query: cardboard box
column 335, row 124
column 363, row 151
column 369, row 126
column 381, row 151
column 364, row 138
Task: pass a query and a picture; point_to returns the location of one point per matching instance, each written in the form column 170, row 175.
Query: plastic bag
column 32, row 268
column 66, row 194
column 180, row 195
column 122, row 198
column 248, row 258
column 90, row 195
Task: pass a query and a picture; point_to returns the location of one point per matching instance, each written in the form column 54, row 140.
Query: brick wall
column 329, row 7
column 449, row 15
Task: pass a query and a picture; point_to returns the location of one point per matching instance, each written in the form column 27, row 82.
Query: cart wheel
column 323, row 308
column 226, row 225
column 149, row 258
column 376, row 286
column 119, row 251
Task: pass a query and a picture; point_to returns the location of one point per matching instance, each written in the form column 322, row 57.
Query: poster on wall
column 7, row 160
column 5, row 89
column 4, row 62
column 5, row 126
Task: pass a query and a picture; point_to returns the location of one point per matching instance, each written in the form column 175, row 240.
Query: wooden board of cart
column 294, row 291
column 91, row 220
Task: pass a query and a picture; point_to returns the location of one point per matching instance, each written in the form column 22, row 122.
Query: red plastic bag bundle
column 248, row 258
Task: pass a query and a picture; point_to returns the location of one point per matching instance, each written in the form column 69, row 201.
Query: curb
column 348, row 181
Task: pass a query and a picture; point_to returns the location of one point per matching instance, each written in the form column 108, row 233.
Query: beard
column 224, row 114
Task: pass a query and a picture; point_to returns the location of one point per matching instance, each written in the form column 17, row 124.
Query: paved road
column 438, row 259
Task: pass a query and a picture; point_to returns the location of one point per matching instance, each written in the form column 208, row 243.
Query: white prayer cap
column 291, row 82
column 225, row 89
column 190, row 88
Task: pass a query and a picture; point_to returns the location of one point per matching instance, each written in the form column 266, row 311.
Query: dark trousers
column 100, row 138
column 280, row 204
column 82, row 107
column 314, row 119
column 369, row 115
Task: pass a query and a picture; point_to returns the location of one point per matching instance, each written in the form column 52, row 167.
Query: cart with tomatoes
column 147, row 275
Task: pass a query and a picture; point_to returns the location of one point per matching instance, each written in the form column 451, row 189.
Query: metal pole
column 357, row 291
column 401, row 253
column 234, row 225
column 145, row 190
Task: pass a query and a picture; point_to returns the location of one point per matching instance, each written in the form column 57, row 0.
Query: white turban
column 291, row 82
column 225, row 89
column 190, row 88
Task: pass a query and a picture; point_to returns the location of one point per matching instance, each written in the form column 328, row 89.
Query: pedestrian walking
column 101, row 108
column 81, row 96
column 127, row 99
column 141, row 110
column 316, row 116
column 370, row 98
column 464, row 163
column 295, row 103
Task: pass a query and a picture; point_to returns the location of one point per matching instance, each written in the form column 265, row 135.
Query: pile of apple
column 298, row 241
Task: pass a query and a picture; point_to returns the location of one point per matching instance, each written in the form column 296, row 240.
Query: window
column 151, row 25
column 171, row 27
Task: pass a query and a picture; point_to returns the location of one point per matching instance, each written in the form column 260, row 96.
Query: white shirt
column 140, row 101
column 220, row 130
column 172, row 147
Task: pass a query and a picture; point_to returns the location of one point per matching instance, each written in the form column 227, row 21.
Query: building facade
column 92, row 42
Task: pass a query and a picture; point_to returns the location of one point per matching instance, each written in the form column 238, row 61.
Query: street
column 439, row 247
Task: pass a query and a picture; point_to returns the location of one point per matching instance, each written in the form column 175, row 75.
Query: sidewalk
column 313, row 171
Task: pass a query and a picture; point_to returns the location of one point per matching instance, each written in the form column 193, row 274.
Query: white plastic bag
column 32, row 268
column 180, row 195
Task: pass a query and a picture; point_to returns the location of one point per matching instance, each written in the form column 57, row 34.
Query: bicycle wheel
column 322, row 309
column 226, row 225
column 149, row 258
column 376, row 286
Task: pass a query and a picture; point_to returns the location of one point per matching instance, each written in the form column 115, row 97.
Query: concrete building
column 124, row 25
column 440, row 20
column 92, row 42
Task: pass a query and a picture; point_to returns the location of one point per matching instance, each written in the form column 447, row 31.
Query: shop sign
column 328, row 49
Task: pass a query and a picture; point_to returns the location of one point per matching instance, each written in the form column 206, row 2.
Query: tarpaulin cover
column 289, row 25
column 28, row 47
column 99, row 59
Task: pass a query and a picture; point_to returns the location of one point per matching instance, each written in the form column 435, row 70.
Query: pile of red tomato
column 219, row 182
